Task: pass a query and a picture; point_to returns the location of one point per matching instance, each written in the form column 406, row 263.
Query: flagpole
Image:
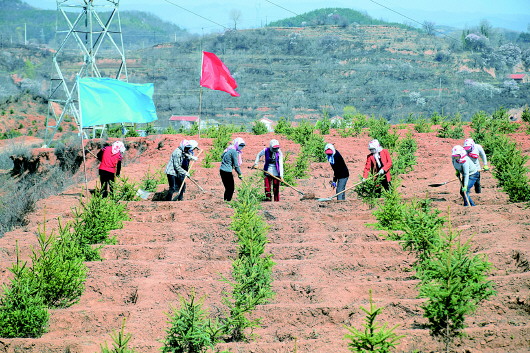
column 200, row 93
column 82, row 138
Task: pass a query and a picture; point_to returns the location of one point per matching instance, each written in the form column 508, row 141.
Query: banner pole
column 200, row 92
column 82, row 138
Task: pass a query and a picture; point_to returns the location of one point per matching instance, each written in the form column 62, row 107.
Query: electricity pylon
column 90, row 45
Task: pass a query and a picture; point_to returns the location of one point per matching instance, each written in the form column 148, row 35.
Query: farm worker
column 231, row 159
column 110, row 166
column 178, row 166
column 378, row 162
column 340, row 170
column 474, row 150
column 465, row 167
column 273, row 166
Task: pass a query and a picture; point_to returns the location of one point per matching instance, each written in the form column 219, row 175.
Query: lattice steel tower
column 90, row 44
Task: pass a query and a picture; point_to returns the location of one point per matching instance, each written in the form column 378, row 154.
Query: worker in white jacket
column 474, row 151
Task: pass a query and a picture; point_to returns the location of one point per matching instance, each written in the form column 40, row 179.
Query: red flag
column 215, row 75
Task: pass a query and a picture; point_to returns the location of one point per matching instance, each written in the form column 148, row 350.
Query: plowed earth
column 327, row 258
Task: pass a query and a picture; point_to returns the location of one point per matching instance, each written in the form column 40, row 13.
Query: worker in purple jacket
column 273, row 168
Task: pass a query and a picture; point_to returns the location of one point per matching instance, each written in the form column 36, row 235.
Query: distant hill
column 139, row 28
column 332, row 16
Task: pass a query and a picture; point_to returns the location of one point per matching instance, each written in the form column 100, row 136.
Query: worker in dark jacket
column 231, row 159
column 177, row 168
column 340, row 170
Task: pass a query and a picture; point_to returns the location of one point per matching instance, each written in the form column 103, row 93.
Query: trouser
column 341, row 186
column 471, row 182
column 275, row 183
column 106, row 178
column 478, row 187
column 175, row 182
column 228, row 181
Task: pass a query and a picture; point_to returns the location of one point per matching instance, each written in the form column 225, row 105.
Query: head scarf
column 274, row 144
column 191, row 144
column 331, row 157
column 238, row 141
column 459, row 154
column 469, row 146
column 374, row 144
column 118, row 146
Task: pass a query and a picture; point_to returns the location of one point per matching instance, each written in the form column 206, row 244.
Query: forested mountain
column 310, row 71
column 20, row 21
column 332, row 16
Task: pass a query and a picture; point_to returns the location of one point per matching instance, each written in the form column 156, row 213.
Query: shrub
column 454, row 282
column 22, row 309
column 422, row 125
column 222, row 136
column 69, row 156
column 58, row 270
column 296, row 170
column 324, row 125
column 447, row 130
column 94, row 220
column 525, row 115
column 252, row 270
column 120, row 342
column 259, row 128
column 123, row 190
column 150, row 181
column 405, row 158
column 375, row 337
column 380, row 130
column 283, row 127
column 191, row 331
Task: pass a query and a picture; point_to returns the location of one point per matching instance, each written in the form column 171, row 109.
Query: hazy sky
column 204, row 16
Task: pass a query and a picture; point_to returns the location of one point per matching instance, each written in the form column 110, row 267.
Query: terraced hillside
column 326, row 260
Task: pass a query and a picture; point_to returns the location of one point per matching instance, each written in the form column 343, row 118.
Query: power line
column 196, row 14
column 407, row 17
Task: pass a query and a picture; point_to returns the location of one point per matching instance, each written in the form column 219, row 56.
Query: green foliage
column 352, row 123
column 259, row 128
column 23, row 312
column 324, row 125
column 150, row 130
column 375, row 337
column 123, row 190
column 370, row 190
column 252, row 270
column 191, row 331
column 170, row 130
column 422, row 125
column 131, row 132
column 120, row 342
column 405, row 158
column 283, row 127
column 94, row 220
column 222, row 136
column 448, row 130
column 525, row 115
column 390, row 212
column 298, row 169
column 436, row 118
column 511, row 170
column 150, row 181
column 57, row 269
column 10, row 134
column 454, row 282
column 380, row 130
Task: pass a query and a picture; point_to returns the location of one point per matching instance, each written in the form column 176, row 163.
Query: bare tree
column 235, row 15
column 429, row 27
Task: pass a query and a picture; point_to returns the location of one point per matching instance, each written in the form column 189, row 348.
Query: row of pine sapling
column 56, row 273
column 192, row 329
column 452, row 279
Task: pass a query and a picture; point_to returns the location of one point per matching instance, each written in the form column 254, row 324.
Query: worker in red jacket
column 110, row 166
column 378, row 162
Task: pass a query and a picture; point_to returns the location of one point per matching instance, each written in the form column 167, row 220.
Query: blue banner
column 105, row 100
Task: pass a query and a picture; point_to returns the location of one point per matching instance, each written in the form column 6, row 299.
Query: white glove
column 193, row 158
column 381, row 172
column 364, row 179
column 187, row 174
